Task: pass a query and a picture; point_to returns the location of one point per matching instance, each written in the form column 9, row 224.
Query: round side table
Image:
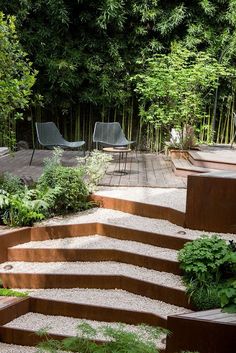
column 122, row 154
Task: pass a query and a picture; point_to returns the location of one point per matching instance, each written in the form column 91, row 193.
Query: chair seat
column 49, row 136
column 68, row 144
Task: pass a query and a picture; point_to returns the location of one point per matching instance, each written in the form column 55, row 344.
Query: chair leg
column 32, row 156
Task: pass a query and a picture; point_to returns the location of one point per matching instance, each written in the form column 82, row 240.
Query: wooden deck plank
column 151, row 170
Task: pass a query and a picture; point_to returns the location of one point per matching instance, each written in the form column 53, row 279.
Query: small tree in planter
column 172, row 87
column 186, row 140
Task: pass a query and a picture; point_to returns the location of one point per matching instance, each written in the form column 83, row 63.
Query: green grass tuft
column 11, row 293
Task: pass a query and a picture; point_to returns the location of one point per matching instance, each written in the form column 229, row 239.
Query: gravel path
column 11, row 348
column 104, row 267
column 123, row 219
column 64, row 325
column 114, row 298
column 168, row 197
column 101, row 242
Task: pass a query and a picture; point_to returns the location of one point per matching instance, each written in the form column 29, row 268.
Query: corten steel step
column 141, row 209
column 175, row 296
column 30, row 338
column 27, row 234
column 53, row 280
column 169, row 295
column 72, row 255
column 59, row 308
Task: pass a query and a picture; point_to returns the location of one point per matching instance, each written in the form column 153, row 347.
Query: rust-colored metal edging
column 155, row 291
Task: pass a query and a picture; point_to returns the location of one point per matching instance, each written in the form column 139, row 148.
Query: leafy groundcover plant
column 116, row 340
column 5, row 292
column 11, row 293
column 208, row 263
column 59, row 190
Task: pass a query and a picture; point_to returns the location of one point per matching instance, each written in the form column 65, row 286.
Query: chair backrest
column 48, row 134
column 109, row 134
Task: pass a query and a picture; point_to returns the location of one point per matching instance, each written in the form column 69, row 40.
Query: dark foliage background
column 86, row 52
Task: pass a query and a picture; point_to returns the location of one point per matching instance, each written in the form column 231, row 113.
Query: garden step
column 93, row 268
column 183, row 167
column 111, row 298
column 104, row 275
column 101, row 242
column 165, row 197
column 68, row 325
column 208, row 158
column 97, row 248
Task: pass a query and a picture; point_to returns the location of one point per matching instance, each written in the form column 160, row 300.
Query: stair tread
column 113, row 298
column 102, row 242
column 67, row 325
column 107, row 268
column 187, row 165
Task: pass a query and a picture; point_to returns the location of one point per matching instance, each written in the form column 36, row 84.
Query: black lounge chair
column 109, row 134
column 49, row 137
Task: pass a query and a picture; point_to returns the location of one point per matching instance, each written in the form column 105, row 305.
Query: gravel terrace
column 123, row 219
column 168, row 197
column 67, row 325
column 114, row 298
column 96, row 268
column 102, row 242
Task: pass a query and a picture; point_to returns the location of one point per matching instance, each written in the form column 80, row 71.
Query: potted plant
column 181, row 142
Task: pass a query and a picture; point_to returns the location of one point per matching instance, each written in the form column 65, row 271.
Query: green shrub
column 21, row 209
column 95, row 168
column 201, row 259
column 228, row 296
column 119, row 340
column 11, row 183
column 207, row 262
column 205, row 298
column 59, row 190
column 70, row 191
column 229, row 268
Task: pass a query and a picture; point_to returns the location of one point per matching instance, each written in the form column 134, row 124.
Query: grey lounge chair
column 49, row 137
column 109, row 134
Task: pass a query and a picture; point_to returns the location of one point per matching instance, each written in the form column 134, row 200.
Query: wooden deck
column 151, row 170
column 207, row 159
